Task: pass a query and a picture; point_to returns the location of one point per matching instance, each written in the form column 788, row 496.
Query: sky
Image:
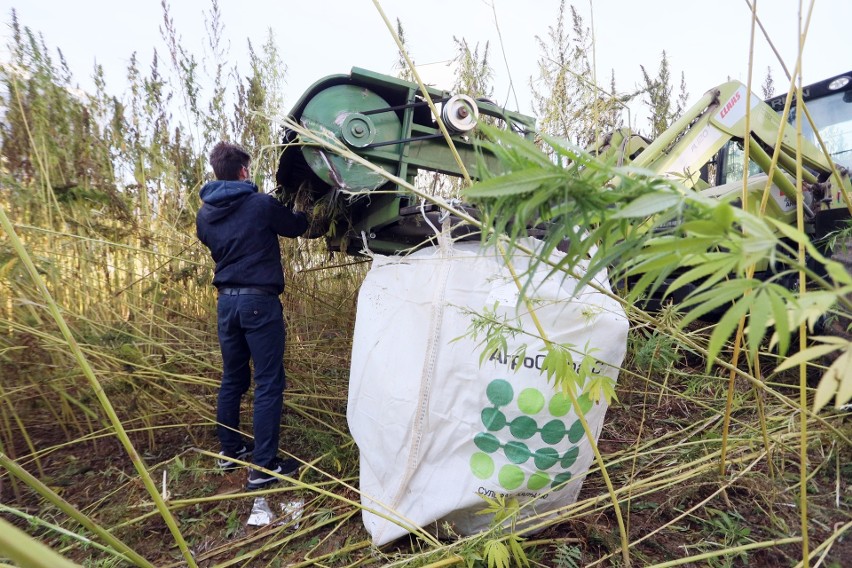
column 706, row 41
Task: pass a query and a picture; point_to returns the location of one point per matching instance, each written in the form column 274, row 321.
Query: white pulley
column 460, row 113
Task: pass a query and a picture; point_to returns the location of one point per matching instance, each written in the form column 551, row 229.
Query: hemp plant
column 657, row 236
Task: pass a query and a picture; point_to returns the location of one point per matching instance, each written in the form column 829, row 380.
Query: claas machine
column 389, row 124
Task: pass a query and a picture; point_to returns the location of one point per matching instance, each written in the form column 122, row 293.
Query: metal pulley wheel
column 358, row 130
column 339, row 112
column 460, row 113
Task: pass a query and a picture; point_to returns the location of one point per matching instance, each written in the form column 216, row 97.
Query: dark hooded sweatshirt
column 241, row 226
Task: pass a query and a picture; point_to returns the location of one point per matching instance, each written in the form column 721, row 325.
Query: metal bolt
column 462, row 112
column 358, row 130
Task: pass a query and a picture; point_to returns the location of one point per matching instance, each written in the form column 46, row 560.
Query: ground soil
column 99, row 479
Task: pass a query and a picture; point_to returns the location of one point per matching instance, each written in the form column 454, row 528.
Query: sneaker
column 225, row 463
column 258, row 479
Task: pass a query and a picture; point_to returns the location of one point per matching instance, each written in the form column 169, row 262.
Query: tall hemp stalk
column 115, row 421
column 803, row 330
column 796, row 87
column 738, row 338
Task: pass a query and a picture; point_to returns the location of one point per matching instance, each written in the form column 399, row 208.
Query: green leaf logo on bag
column 540, row 417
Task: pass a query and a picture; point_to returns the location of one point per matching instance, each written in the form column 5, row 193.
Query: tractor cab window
column 832, row 115
column 833, row 118
column 732, row 164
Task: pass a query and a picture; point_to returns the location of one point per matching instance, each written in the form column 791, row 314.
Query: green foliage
column 503, row 551
column 176, row 469
column 567, row 102
column 215, row 120
column 259, row 106
column 729, row 526
column 404, row 72
column 50, row 136
column 767, row 88
column 657, row 353
column 561, row 368
column 474, row 72
column 495, row 328
column 109, row 562
column 569, row 203
column 661, row 236
column 658, row 91
column 836, row 382
column 567, row 556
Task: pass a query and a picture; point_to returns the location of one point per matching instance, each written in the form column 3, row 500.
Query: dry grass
column 154, row 352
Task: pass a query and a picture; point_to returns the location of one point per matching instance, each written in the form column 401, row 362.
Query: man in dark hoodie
column 241, row 227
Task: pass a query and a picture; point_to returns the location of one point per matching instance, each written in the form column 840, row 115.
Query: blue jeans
column 251, row 327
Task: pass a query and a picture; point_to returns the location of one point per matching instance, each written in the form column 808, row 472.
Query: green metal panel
column 337, row 112
column 386, row 121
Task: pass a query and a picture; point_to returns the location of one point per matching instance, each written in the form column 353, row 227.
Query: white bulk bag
column 436, row 430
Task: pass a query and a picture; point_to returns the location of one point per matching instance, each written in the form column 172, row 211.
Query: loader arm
column 719, row 117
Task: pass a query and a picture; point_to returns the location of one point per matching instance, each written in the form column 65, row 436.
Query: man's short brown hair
column 228, row 159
